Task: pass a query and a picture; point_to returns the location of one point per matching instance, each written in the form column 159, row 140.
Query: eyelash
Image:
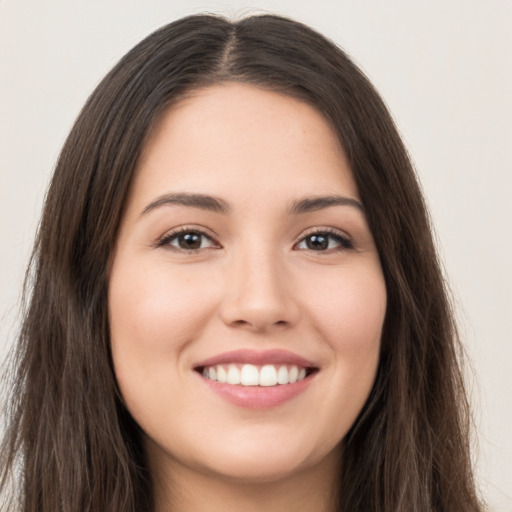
column 169, row 237
column 343, row 241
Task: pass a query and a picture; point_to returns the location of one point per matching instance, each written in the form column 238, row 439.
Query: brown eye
column 188, row 240
column 324, row 241
column 317, row 242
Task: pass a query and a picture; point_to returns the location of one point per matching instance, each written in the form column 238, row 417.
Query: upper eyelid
column 190, row 228
column 324, row 229
column 208, row 232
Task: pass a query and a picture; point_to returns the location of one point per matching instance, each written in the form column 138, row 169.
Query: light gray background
column 445, row 69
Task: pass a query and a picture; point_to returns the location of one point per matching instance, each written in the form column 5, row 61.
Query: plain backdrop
column 444, row 67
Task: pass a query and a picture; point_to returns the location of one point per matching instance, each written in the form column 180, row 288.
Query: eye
column 325, row 241
column 189, row 240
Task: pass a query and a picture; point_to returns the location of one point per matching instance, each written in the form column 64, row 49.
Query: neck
column 178, row 488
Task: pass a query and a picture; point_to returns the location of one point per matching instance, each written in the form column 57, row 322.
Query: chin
column 264, row 464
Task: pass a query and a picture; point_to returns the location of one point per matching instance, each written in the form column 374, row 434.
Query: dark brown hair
column 71, row 443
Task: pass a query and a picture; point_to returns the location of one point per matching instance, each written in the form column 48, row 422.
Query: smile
column 252, row 375
column 257, row 379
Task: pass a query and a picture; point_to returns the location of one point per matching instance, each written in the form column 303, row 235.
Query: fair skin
column 224, row 247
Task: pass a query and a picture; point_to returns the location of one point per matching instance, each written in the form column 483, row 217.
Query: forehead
column 230, row 136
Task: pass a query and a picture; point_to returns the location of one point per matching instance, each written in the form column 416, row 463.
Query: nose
column 259, row 294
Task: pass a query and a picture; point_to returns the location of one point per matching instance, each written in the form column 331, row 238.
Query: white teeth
column 252, row 375
column 249, row 375
column 268, row 375
column 221, row 374
column 233, row 374
column 293, row 374
column 282, row 375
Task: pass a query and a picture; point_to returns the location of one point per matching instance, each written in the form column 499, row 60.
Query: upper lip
column 255, row 357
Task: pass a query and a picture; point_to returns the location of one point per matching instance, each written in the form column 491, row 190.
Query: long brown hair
column 71, row 443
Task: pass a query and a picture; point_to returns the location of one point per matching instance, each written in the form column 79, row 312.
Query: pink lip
column 275, row 356
column 257, row 397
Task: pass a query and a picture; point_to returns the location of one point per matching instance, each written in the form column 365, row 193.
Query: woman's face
column 244, row 253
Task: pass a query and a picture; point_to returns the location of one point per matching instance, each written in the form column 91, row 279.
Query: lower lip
column 258, row 397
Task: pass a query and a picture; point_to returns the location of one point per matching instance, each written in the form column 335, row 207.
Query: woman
column 236, row 299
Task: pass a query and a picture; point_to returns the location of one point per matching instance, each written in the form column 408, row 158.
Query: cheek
column 349, row 314
column 150, row 309
column 349, row 308
column 153, row 316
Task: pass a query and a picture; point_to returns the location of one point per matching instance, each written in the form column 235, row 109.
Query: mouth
column 255, row 379
column 247, row 374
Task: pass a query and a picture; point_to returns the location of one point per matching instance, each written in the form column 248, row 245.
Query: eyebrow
column 312, row 204
column 202, row 201
column 215, row 204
